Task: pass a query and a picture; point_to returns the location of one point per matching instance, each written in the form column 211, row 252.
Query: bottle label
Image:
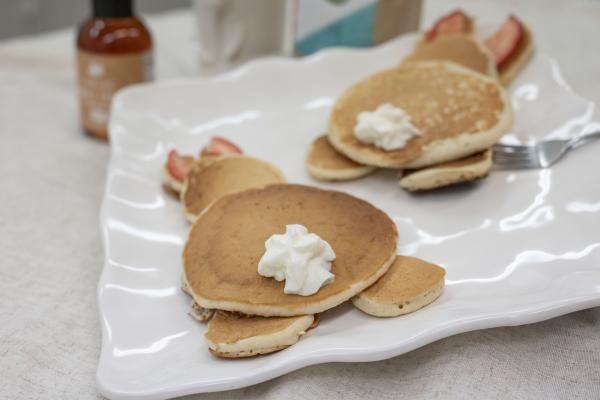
column 100, row 76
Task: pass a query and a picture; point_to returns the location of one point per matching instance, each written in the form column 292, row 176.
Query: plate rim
column 533, row 315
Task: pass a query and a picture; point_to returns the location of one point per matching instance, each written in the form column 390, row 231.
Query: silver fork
column 540, row 155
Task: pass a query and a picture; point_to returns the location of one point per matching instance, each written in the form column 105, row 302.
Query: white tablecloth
column 52, row 179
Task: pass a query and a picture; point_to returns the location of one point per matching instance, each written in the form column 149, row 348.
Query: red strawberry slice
column 455, row 22
column 179, row 165
column 506, row 40
column 220, row 146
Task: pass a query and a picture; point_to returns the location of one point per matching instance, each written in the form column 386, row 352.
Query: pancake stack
column 451, row 87
column 459, row 112
column 236, row 203
column 225, row 243
column 254, row 316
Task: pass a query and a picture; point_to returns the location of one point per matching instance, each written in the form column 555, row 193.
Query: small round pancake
column 210, row 180
column 464, row 50
column 234, row 335
column 325, row 163
column 465, row 169
column 220, row 257
column 409, row 285
column 459, row 112
column 518, row 61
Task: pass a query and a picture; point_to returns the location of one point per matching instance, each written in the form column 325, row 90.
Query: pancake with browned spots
column 458, row 112
column 220, row 257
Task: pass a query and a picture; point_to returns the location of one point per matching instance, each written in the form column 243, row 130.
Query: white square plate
column 519, row 246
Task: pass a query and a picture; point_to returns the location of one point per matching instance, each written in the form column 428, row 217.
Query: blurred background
column 190, row 38
column 24, row 17
column 54, row 176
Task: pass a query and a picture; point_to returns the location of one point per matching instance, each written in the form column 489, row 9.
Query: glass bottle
column 114, row 49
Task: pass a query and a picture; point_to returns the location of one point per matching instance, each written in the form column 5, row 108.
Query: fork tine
column 512, row 167
column 517, row 164
column 514, row 156
column 510, row 149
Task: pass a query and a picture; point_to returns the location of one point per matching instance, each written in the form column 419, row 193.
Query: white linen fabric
column 52, row 182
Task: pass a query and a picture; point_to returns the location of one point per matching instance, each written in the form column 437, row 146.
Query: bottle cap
column 112, row 8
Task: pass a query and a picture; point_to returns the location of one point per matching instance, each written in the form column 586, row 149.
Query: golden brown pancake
column 327, row 164
column 466, row 169
column 220, row 257
column 234, row 335
column 464, row 50
column 409, row 285
column 212, row 179
column 458, row 111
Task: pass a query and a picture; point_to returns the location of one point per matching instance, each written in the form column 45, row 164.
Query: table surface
column 53, row 177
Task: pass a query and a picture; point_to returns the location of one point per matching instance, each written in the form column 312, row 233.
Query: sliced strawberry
column 179, row 165
column 220, row 146
column 455, row 22
column 506, row 40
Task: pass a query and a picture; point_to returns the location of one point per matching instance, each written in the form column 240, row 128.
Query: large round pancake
column 524, row 53
column 458, row 111
column 326, row 163
column 212, row 179
column 409, row 285
column 466, row 169
column 464, row 50
column 221, row 255
column 233, row 335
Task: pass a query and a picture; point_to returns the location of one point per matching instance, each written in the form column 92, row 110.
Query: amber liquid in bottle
column 114, row 49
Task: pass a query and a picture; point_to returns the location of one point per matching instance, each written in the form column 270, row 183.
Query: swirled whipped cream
column 388, row 127
column 300, row 258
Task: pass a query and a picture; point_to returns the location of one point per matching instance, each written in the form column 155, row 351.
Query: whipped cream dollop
column 300, row 258
column 388, row 127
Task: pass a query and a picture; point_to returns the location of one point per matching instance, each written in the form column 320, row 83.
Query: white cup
column 234, row 31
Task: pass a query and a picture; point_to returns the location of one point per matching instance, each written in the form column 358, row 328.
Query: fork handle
column 582, row 139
